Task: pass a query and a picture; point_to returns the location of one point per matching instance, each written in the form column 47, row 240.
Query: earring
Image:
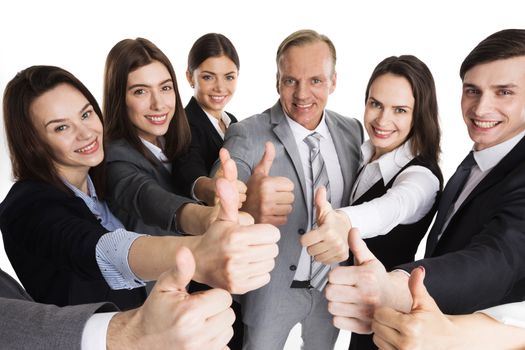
column 192, row 86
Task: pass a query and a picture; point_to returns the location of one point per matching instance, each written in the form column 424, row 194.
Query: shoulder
column 118, row 150
column 348, row 123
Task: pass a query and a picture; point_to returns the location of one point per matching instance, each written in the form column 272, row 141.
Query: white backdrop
column 77, row 36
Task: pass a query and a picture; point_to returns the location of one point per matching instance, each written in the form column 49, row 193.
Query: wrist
column 124, row 331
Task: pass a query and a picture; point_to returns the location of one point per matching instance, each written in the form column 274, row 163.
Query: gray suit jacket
column 25, row 324
column 140, row 193
column 245, row 142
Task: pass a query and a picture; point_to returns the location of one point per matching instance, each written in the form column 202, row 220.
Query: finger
column 389, row 317
column 218, row 330
column 382, row 342
column 241, row 187
column 279, row 184
column 322, row 206
column 344, row 276
column 245, row 219
column 228, row 199
column 421, row 300
column 178, row 277
column 258, row 253
column 209, row 302
column 358, row 247
column 259, row 234
column 311, row 237
column 265, row 164
column 229, row 169
column 352, row 324
column 330, row 255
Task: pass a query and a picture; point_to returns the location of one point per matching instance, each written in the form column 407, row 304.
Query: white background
column 77, row 35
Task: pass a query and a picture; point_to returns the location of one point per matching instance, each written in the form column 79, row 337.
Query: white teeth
column 156, row 119
column 382, row 132
column 304, row 106
column 87, row 148
column 218, row 98
column 484, row 124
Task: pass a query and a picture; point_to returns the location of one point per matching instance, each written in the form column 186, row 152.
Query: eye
column 86, row 114
column 230, row 77
column 505, row 92
column 471, row 92
column 139, row 92
column 61, row 128
column 375, row 104
column 400, row 110
column 289, row 82
column 316, row 81
column 207, row 77
column 167, row 88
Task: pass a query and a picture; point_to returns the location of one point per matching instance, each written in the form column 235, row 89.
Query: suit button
column 300, row 231
column 293, row 267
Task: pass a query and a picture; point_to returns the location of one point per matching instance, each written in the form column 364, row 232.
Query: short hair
column 507, row 43
column 425, row 133
column 31, row 157
column 300, row 38
column 211, row 45
column 127, row 56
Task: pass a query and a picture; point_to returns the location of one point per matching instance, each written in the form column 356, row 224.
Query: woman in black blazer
column 213, row 68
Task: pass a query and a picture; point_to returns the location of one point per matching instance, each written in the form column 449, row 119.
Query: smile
column 484, row 124
column 303, row 106
column 382, row 133
column 92, row 147
column 157, row 119
column 217, row 99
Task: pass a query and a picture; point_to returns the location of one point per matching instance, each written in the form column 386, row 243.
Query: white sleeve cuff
column 509, row 314
column 193, row 189
column 95, row 331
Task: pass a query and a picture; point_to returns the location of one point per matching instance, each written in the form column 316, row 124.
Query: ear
column 189, row 77
column 334, row 82
column 277, row 77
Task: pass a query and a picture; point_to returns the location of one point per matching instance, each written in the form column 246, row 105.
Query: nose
column 156, row 102
column 483, row 105
column 84, row 132
column 219, row 85
column 301, row 91
column 382, row 117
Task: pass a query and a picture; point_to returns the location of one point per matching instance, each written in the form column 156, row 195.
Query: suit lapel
column 284, row 134
column 199, row 117
column 344, row 156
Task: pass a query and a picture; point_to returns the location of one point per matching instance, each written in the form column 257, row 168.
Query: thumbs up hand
column 172, row 316
column 424, row 327
column 269, row 198
column 328, row 243
column 353, row 292
column 232, row 256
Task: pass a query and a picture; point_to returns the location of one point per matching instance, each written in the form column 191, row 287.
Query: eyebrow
column 398, row 106
column 146, row 85
column 61, row 120
column 497, row 86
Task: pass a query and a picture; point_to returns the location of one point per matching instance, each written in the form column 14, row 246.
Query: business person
column 159, row 324
column 63, row 241
column 213, row 69
column 474, row 255
column 426, row 327
column 146, row 128
column 280, row 187
column 394, row 198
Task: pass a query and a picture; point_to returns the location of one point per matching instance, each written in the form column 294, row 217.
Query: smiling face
column 306, row 77
column 67, row 123
column 493, row 101
column 388, row 112
column 214, row 81
column 150, row 100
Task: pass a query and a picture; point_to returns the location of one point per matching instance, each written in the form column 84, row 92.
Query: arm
column 425, row 327
column 410, row 198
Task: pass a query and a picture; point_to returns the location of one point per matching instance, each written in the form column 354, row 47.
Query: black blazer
column 204, row 149
column 50, row 239
column 479, row 261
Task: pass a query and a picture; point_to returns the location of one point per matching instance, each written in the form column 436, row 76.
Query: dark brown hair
column 125, row 57
column 211, row 45
column 425, row 133
column 501, row 45
column 31, row 157
column 300, row 38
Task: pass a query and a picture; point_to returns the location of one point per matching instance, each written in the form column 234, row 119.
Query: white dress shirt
column 485, row 160
column 215, row 122
column 510, row 314
column 158, row 152
column 409, row 199
column 329, row 153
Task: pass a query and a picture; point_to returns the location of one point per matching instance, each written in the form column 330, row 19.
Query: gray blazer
column 140, row 193
column 25, row 324
column 245, row 142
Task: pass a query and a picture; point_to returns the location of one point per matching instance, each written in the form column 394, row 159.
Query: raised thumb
column 226, row 192
column 358, row 247
column 421, row 300
column 322, row 206
column 228, row 167
column 265, row 164
column 180, row 275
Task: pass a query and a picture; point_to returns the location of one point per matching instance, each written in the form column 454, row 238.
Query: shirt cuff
column 509, row 314
column 95, row 331
column 193, row 189
column 112, row 252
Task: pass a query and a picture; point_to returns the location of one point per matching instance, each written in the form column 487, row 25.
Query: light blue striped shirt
column 113, row 247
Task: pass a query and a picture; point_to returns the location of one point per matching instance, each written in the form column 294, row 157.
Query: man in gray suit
column 169, row 318
column 281, row 185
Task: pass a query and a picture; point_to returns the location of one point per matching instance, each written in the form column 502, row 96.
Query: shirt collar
column 389, row 163
column 300, row 132
column 157, row 151
column 488, row 158
column 92, row 193
column 224, row 116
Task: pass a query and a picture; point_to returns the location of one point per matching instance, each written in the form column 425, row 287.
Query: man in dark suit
column 160, row 323
column 475, row 250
